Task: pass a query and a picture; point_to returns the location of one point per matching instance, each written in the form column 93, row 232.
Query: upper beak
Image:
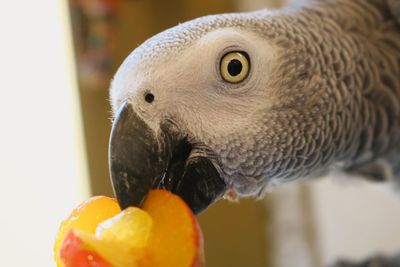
column 141, row 159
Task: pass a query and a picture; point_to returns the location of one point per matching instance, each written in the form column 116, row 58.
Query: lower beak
column 141, row 159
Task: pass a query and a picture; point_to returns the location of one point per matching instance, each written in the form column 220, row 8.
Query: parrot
column 233, row 105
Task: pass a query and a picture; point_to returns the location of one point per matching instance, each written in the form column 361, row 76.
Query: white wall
column 290, row 232
column 42, row 163
column 355, row 219
column 315, row 223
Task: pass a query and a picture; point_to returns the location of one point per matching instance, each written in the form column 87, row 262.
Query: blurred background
column 57, row 60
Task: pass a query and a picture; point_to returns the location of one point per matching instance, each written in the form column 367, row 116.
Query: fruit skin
column 85, row 217
column 115, row 253
column 177, row 240
column 74, row 254
column 199, row 260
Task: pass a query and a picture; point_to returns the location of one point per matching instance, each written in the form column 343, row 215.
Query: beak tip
column 129, row 189
column 133, row 157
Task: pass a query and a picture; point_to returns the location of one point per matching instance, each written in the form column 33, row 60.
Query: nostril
column 149, row 97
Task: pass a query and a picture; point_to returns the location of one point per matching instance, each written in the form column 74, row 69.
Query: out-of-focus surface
column 316, row 223
column 291, row 231
column 235, row 234
column 42, row 161
column 355, row 219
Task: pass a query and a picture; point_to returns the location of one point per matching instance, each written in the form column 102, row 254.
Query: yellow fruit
column 177, row 240
column 132, row 227
column 86, row 217
column 165, row 233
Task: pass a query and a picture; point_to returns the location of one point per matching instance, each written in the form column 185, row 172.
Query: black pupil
column 149, row 97
column 235, row 67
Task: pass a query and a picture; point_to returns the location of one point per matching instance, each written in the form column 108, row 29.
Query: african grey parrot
column 234, row 104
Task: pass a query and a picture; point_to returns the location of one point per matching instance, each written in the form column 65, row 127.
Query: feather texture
column 339, row 96
column 329, row 100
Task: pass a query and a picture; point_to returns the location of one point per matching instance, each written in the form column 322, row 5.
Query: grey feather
column 335, row 87
column 340, row 94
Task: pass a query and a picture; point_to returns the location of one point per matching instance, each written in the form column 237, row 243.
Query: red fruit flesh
column 73, row 253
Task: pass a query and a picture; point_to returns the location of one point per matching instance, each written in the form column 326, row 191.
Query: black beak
column 141, row 159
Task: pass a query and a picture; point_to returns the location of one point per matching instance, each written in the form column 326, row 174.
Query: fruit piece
column 73, row 253
column 120, row 240
column 118, row 254
column 177, row 240
column 132, row 227
column 165, row 233
column 86, row 217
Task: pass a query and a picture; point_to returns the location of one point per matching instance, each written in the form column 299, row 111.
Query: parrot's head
column 197, row 110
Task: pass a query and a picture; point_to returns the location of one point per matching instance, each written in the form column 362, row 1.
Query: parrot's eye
column 235, row 67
